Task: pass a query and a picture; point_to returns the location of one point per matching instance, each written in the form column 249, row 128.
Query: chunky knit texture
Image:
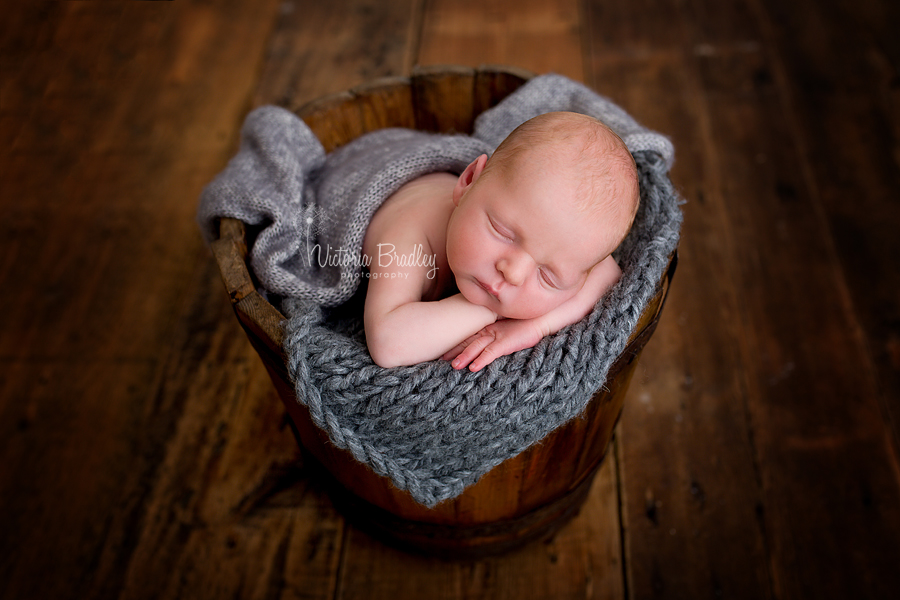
column 430, row 429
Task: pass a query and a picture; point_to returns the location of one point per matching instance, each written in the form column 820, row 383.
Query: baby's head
column 555, row 199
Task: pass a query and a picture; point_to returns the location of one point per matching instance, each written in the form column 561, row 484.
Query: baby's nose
column 514, row 269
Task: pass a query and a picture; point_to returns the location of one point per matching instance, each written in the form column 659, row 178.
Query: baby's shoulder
column 406, row 240
column 425, row 194
column 421, row 207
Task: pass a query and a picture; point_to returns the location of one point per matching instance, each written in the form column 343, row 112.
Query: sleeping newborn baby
column 480, row 265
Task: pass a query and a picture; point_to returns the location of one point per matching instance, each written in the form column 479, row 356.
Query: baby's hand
column 495, row 340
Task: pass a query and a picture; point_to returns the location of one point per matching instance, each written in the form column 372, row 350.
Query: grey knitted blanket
column 430, row 429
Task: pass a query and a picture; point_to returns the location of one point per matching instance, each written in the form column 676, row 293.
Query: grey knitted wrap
column 432, row 430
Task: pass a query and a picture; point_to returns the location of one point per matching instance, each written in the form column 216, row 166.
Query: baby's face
column 519, row 246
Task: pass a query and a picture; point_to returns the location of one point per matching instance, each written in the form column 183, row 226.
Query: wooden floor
column 144, row 451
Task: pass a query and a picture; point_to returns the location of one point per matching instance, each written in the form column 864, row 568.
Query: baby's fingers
column 449, row 354
column 472, row 350
column 490, row 352
column 453, row 352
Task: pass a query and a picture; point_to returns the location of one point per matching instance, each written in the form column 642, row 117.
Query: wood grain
column 531, row 34
column 115, row 134
column 145, row 454
column 845, row 112
column 689, row 479
column 801, row 345
column 688, row 472
column 325, row 48
column 783, row 326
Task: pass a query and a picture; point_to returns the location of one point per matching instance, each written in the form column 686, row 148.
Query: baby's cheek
column 555, row 299
column 472, row 294
column 531, row 306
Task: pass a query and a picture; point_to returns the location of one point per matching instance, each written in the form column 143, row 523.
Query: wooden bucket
column 528, row 496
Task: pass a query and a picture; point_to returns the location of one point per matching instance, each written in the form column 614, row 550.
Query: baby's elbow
column 383, row 358
column 382, row 349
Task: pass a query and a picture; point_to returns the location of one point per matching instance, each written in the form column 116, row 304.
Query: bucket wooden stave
column 528, row 496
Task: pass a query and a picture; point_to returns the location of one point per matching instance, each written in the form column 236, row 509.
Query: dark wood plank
column 689, row 481
column 531, row 34
column 232, row 511
column 116, row 131
column 846, row 110
column 63, row 494
column 228, row 509
column 329, row 47
column 813, row 399
column 812, row 431
column 443, row 99
column 129, row 148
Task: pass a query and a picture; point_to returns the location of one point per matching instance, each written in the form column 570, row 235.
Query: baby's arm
column 401, row 329
column 511, row 335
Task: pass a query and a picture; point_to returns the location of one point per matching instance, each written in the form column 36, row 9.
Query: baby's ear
column 468, row 177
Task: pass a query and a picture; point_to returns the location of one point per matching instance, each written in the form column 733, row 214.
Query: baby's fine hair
column 608, row 180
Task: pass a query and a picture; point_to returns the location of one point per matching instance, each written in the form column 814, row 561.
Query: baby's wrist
column 494, row 315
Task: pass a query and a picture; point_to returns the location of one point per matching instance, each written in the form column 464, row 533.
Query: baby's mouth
column 488, row 289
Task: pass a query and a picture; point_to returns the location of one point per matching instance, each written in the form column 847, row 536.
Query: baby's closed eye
column 499, row 230
column 548, row 279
